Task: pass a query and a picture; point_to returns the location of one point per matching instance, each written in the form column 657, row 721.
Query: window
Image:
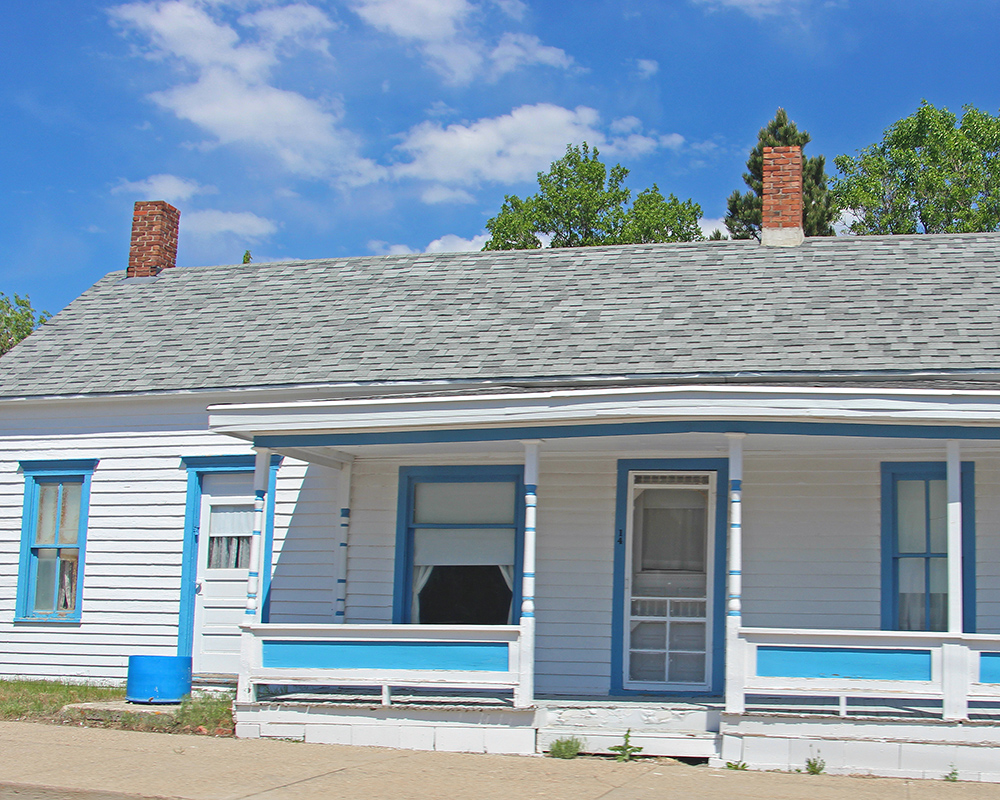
column 53, row 537
column 459, row 550
column 229, row 533
column 915, row 546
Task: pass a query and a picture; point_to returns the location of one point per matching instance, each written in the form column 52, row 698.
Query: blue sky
column 324, row 128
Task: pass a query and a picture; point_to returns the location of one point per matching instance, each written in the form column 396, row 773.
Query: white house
column 741, row 498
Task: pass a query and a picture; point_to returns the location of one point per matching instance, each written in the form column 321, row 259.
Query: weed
column 815, row 765
column 736, row 765
column 213, row 713
column 566, row 748
column 951, row 775
column 625, row 751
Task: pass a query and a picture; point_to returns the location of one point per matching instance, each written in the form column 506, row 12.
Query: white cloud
column 421, row 20
column 708, row 225
column 164, row 187
column 514, row 9
column 450, row 243
column 447, row 34
column 625, row 125
column 231, row 97
column 672, row 141
column 516, row 50
column 513, row 147
column 755, row 8
column 242, row 223
column 380, row 248
column 299, row 25
column 647, row 67
column 445, row 194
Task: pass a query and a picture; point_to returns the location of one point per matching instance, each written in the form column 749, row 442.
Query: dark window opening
column 465, row 595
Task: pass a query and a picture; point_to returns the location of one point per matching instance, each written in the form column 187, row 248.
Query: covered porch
column 787, row 612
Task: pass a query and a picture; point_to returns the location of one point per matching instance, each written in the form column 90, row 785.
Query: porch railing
column 954, row 669
column 481, row 658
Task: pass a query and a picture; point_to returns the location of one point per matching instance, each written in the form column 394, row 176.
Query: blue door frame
column 720, row 466
column 197, row 468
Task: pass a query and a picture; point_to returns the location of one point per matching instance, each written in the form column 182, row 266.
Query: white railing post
column 261, row 473
column 524, row 695
column 955, row 676
column 245, row 692
column 736, row 657
column 954, row 481
column 344, row 490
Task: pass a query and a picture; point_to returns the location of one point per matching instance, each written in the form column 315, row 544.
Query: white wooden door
column 226, row 528
column 668, row 581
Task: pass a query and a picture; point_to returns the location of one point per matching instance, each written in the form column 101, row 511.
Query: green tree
column 927, row 175
column 580, row 204
column 743, row 215
column 17, row 320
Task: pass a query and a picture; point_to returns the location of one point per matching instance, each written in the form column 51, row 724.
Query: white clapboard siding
column 132, row 568
column 303, row 569
column 987, row 544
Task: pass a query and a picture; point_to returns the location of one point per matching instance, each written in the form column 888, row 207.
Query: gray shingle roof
column 900, row 304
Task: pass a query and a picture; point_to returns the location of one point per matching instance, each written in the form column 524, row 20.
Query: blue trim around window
column 36, row 473
column 408, row 478
column 894, row 471
column 197, row 468
column 720, row 466
column 626, row 429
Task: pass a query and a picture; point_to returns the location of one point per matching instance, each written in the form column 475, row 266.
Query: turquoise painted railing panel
column 844, row 662
column 989, row 668
column 456, row 656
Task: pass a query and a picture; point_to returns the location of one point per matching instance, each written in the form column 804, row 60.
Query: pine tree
column 743, row 217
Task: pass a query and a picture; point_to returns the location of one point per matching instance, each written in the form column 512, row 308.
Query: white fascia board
column 801, row 404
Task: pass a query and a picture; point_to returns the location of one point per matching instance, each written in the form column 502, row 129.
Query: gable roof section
column 848, row 305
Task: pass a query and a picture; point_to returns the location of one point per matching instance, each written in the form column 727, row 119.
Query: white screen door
column 668, row 581
column 220, row 597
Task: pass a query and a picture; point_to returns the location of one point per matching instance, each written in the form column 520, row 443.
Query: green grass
column 43, row 701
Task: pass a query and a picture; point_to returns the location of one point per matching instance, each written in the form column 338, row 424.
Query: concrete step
column 677, row 728
column 677, row 743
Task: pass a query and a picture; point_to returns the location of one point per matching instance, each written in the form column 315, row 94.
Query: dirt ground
column 46, row 762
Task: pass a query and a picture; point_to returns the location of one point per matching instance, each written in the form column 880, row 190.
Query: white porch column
column 735, row 647
column 261, row 472
column 525, row 693
column 344, row 487
column 955, row 594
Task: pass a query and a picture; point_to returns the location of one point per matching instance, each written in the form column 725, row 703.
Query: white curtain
column 421, row 574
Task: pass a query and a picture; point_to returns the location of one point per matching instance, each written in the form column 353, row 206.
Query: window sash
column 53, row 536
column 914, row 566
column 499, row 514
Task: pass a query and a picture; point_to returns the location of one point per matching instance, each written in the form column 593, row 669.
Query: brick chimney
column 781, row 221
column 154, row 239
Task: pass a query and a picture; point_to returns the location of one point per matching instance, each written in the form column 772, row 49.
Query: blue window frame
column 53, row 540
column 914, row 546
column 459, row 541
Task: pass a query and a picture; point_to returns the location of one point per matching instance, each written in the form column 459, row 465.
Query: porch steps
column 677, row 729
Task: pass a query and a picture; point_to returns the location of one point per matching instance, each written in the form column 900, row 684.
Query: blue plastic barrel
column 158, row 679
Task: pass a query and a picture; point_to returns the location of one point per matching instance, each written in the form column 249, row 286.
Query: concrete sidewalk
column 45, row 762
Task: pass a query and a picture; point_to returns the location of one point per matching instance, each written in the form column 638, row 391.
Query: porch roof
column 634, row 414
